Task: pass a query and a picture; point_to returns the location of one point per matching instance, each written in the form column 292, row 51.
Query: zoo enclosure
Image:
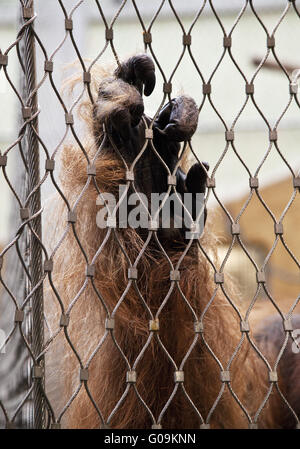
column 32, row 165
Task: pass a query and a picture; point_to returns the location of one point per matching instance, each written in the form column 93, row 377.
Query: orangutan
column 146, row 331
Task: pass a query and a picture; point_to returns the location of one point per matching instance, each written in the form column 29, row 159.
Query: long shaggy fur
column 131, row 345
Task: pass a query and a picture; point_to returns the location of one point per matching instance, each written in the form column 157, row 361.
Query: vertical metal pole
column 34, row 205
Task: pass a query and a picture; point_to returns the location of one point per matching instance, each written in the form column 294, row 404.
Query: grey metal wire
column 36, row 263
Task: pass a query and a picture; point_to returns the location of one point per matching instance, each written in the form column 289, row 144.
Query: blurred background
column 251, row 143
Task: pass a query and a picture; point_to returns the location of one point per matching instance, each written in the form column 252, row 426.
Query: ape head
column 155, row 161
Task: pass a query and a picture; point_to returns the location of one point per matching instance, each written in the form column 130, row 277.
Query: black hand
column 138, row 70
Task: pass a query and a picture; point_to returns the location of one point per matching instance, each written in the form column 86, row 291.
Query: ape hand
column 120, row 106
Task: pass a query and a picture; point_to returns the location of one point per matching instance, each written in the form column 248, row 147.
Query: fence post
column 34, row 204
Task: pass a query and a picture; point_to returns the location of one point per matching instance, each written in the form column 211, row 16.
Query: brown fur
column 73, row 346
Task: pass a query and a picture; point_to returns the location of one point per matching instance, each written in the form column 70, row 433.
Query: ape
column 142, row 334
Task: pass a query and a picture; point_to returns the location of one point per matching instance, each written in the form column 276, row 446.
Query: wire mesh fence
column 116, row 327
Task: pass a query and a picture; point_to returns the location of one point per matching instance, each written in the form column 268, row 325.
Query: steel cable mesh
column 37, row 272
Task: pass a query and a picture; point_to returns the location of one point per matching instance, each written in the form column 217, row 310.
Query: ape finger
column 121, row 123
column 139, row 71
column 196, row 178
column 182, row 121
